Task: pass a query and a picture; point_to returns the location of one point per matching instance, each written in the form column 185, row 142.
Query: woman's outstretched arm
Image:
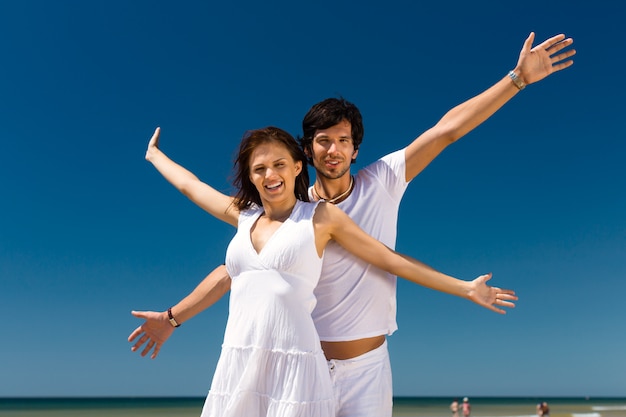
column 208, row 198
column 331, row 223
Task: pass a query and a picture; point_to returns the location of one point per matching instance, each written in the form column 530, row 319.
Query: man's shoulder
column 388, row 160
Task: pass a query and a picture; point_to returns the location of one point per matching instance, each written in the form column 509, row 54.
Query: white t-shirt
column 356, row 300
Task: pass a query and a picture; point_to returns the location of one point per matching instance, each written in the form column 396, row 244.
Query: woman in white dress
column 271, row 362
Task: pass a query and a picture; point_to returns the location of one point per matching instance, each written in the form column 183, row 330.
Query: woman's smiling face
column 273, row 171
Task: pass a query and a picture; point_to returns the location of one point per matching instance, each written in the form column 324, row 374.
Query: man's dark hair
column 328, row 113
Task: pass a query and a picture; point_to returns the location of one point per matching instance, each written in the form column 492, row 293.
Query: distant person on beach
column 356, row 303
column 454, row 408
column 272, row 363
column 545, row 410
column 466, row 407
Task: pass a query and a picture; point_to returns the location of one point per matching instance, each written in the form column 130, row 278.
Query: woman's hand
column 490, row 297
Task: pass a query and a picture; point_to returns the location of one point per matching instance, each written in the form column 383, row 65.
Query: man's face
column 333, row 150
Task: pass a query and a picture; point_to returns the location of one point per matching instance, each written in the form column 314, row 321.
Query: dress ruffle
column 256, row 382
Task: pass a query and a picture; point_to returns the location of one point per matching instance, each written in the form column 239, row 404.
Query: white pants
column 363, row 385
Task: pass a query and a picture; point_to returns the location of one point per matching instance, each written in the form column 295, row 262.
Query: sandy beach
column 403, row 407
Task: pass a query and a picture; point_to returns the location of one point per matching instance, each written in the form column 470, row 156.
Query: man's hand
column 537, row 63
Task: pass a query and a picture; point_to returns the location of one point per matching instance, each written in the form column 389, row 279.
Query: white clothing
column 363, row 385
column 271, row 362
column 356, row 300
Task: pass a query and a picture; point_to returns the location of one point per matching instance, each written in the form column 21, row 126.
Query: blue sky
column 90, row 231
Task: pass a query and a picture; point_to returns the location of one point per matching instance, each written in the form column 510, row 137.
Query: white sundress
column 271, row 362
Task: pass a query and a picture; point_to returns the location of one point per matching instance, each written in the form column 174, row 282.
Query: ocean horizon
column 403, row 406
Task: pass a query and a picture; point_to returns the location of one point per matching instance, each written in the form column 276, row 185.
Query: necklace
column 339, row 197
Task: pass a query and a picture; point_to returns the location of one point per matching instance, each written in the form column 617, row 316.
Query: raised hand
column 536, row 63
column 491, row 297
column 153, row 332
column 153, row 145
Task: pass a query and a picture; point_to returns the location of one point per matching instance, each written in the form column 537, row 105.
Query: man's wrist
column 171, row 318
column 517, row 80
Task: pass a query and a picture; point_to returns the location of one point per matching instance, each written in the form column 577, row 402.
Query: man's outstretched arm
column 534, row 64
column 157, row 328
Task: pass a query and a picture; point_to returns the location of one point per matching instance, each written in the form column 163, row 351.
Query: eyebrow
column 274, row 161
column 325, row 136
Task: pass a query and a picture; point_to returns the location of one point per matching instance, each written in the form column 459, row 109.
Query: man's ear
column 354, row 154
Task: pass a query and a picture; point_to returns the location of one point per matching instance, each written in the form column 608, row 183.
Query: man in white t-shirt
column 356, row 303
